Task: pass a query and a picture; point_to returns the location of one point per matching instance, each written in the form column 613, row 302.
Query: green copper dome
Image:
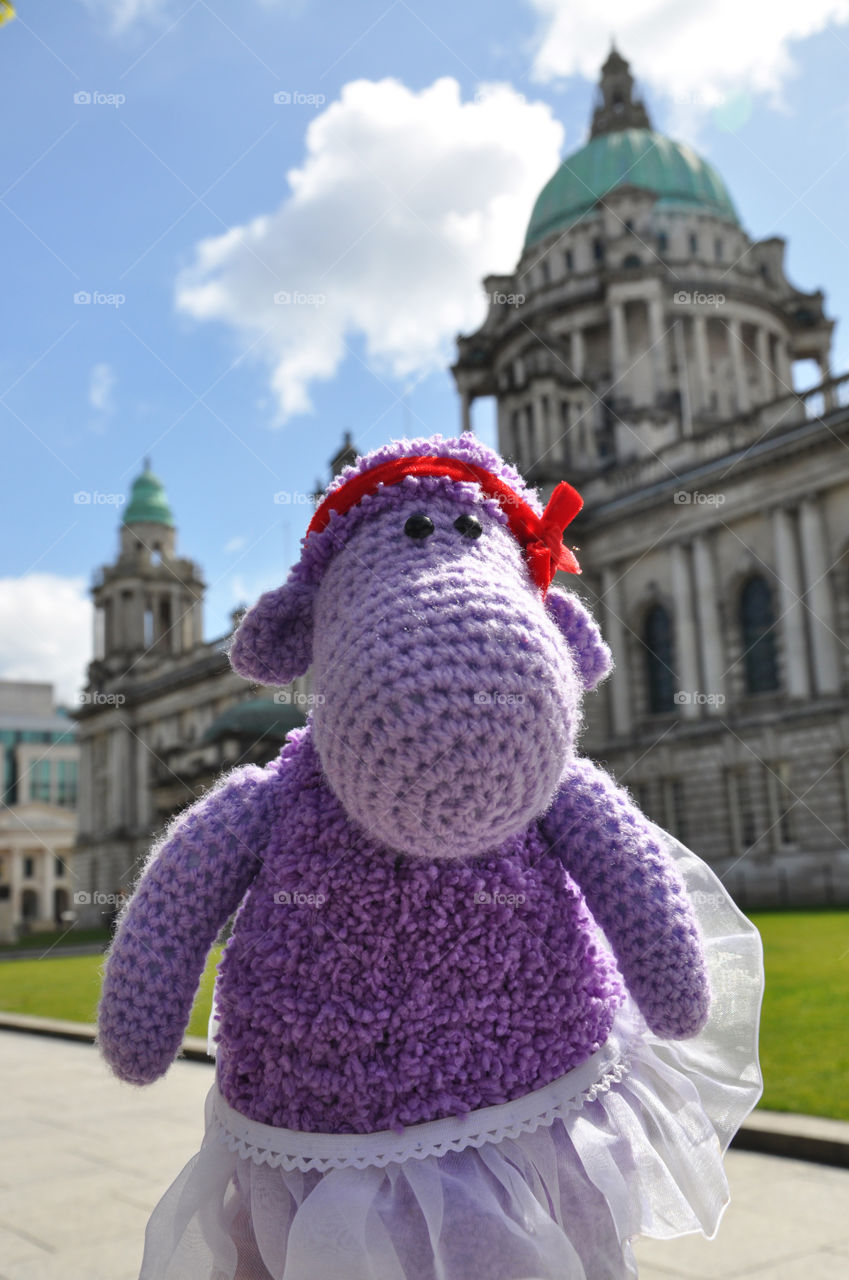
column 632, row 157
column 148, row 503
column 254, row 719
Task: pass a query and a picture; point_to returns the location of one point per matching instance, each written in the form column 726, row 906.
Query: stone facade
column 163, row 714
column 646, row 353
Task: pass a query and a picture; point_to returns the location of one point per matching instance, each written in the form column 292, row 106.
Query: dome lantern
column 616, row 107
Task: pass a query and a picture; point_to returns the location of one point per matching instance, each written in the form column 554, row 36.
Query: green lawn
column 69, row 987
column 805, row 1021
column 44, row 941
column 804, row 1036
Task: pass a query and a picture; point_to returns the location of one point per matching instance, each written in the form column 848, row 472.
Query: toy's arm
column 196, row 876
column 635, row 894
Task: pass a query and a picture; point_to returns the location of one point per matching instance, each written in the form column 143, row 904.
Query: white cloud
column 122, row 14
column 101, row 384
column 696, row 53
column 46, row 631
column 235, row 544
column 404, row 201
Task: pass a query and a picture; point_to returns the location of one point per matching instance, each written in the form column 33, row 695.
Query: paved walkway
column 84, row 1159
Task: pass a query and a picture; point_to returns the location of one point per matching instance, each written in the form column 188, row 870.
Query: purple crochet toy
column 460, row 950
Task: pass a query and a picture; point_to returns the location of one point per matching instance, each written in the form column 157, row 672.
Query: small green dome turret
column 148, row 503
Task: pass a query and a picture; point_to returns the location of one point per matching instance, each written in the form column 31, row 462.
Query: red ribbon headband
column 540, row 536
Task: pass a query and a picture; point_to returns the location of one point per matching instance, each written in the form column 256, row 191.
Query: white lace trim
column 293, row 1149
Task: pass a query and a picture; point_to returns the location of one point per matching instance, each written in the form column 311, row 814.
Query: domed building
column 644, row 348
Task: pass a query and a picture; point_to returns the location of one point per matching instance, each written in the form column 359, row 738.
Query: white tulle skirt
column 552, row 1186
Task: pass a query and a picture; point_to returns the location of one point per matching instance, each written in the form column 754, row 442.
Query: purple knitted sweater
column 424, row 870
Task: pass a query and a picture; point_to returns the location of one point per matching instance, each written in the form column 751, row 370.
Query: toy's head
column 447, row 675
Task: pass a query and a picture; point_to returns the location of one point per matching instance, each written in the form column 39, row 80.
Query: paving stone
column 86, row 1158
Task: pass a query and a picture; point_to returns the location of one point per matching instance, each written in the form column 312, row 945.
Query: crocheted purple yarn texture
column 424, row 870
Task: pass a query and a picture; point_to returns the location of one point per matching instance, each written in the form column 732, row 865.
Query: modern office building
column 38, row 817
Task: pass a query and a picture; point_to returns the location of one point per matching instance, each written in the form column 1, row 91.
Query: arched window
column 660, row 675
column 757, row 623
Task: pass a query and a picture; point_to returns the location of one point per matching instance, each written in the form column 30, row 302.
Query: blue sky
column 147, row 163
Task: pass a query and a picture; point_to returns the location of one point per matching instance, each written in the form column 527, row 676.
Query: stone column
column 764, row 367
column 543, row 425
column 707, row 613
column 657, row 343
column 614, row 627
column 578, row 353
column 733, row 800
column 142, row 772
column 821, row 621
column 825, row 374
column 48, row 882
column 785, row 368
column 736, row 351
column 175, row 639
column 700, row 347
column 683, row 377
column 618, row 347
column 686, row 640
column 120, row 612
column 133, row 615
column 531, row 432
column 197, row 623
column 791, row 610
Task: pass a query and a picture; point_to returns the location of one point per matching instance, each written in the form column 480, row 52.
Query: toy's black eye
column 469, row 526
column 419, row 526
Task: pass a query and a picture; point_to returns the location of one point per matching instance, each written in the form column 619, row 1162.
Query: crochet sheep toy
column 477, row 1017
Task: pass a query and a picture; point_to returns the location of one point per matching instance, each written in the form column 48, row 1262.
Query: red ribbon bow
column 540, row 536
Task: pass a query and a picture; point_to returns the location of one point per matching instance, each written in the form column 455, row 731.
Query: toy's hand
column 637, row 897
column 197, row 874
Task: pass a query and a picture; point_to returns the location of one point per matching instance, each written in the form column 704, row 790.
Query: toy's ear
column 273, row 643
column 592, row 655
